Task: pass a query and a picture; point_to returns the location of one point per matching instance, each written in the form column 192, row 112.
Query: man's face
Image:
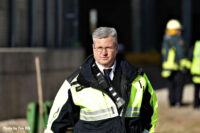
column 105, row 51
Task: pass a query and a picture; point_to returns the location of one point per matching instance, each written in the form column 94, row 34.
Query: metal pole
column 186, row 20
column 47, row 23
column 136, row 25
column 148, row 26
column 76, row 20
column 32, row 22
column 58, row 15
column 13, row 23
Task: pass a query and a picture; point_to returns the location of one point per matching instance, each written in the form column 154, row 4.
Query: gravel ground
column 183, row 119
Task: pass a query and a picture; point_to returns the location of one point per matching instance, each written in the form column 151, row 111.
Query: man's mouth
column 104, row 58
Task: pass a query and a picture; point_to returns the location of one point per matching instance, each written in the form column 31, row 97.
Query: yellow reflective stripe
column 195, row 69
column 132, row 112
column 196, row 48
column 171, row 55
column 138, row 86
column 196, row 79
column 170, row 63
column 97, row 115
column 185, row 63
column 165, row 73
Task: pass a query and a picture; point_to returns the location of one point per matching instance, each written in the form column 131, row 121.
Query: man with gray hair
column 105, row 95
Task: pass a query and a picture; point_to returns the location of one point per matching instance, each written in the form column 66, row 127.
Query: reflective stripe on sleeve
column 132, row 114
column 132, row 109
column 97, row 115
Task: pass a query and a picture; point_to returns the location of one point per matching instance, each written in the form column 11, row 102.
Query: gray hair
column 104, row 32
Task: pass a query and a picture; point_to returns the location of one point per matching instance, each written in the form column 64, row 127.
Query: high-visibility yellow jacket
column 195, row 65
column 82, row 103
column 173, row 55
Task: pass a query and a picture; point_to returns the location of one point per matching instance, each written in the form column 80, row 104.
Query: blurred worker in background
column 194, row 56
column 174, row 61
column 105, row 95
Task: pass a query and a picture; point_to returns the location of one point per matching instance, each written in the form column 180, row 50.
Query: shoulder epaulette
column 73, row 75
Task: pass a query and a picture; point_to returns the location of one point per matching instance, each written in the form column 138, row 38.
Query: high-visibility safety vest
column 170, row 64
column 139, row 85
column 104, row 107
column 96, row 105
column 195, row 66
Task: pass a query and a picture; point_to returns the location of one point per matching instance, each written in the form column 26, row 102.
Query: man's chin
column 105, row 64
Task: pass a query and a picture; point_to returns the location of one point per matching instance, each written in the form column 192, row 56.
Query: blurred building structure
column 65, row 23
column 60, row 31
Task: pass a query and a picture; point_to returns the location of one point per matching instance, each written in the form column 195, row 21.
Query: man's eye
column 109, row 48
column 99, row 48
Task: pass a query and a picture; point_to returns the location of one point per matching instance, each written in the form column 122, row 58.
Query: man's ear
column 117, row 47
column 93, row 48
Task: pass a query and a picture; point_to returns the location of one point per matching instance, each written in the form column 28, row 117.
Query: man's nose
column 104, row 51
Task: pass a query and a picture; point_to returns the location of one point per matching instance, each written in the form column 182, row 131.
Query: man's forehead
column 109, row 38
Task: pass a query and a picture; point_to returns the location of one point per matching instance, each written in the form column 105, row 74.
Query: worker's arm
column 149, row 111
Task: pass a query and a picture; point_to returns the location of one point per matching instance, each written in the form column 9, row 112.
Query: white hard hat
column 173, row 24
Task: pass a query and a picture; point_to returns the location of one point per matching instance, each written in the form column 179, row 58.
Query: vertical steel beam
column 32, row 22
column 70, row 23
column 12, row 22
column 186, row 20
column 58, row 24
column 136, row 25
column 148, row 27
column 47, row 23
column 76, row 20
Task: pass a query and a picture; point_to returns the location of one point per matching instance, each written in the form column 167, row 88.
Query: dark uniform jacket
column 67, row 114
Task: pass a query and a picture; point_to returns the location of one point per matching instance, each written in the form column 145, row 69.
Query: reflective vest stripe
column 97, row 112
column 95, row 118
column 133, row 109
column 97, row 115
column 138, row 86
column 196, row 79
column 185, row 63
column 132, row 114
column 170, row 63
column 195, row 69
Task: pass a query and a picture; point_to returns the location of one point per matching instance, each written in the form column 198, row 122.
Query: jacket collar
column 86, row 76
